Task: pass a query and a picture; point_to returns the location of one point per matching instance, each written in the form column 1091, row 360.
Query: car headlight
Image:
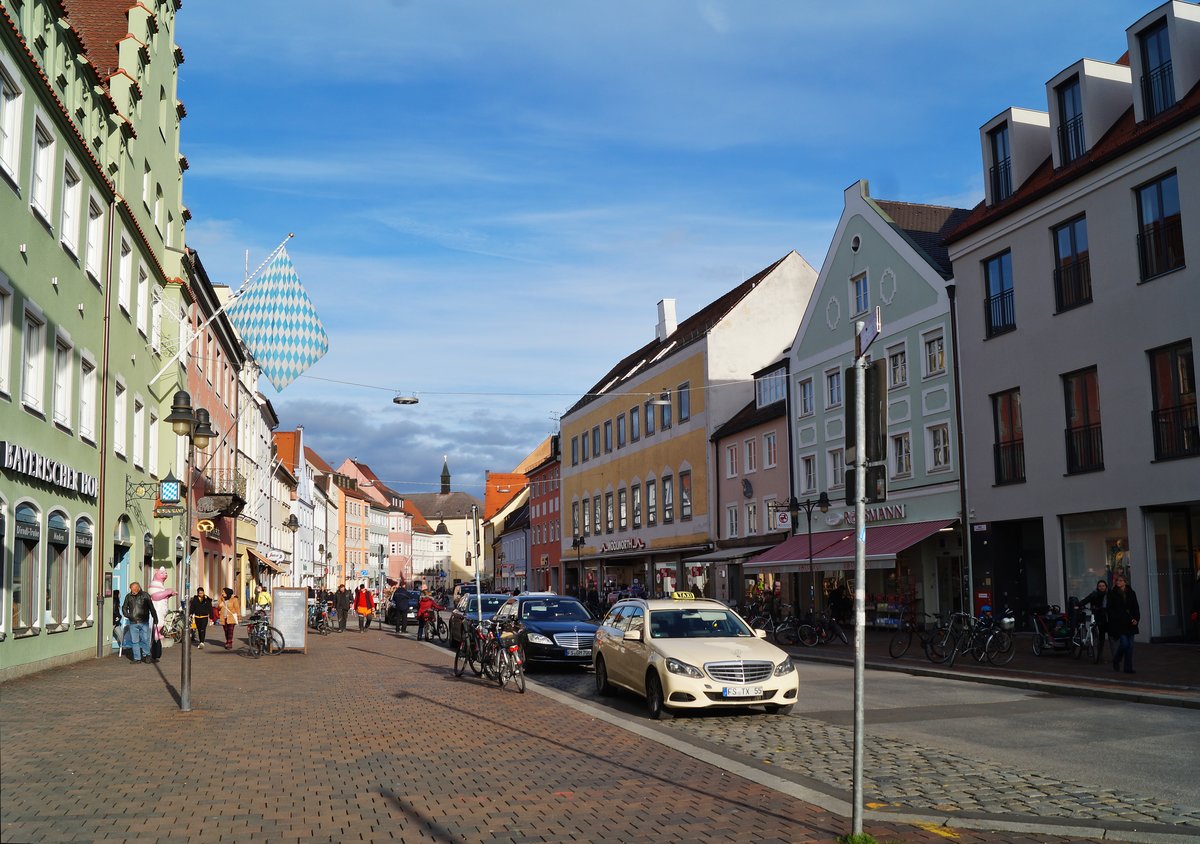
column 677, row 667
column 785, row 667
column 538, row 639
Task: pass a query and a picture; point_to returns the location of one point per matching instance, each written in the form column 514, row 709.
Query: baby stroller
column 1051, row 630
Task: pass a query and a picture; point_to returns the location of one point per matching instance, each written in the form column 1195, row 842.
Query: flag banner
column 278, row 323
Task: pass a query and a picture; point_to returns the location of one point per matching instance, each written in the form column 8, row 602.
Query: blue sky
column 489, row 199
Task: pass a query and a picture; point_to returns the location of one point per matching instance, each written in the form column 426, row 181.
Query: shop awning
column 835, row 549
column 265, row 563
column 723, row 554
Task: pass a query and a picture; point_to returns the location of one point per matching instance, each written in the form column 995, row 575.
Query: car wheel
column 780, row 709
column 603, row 687
column 655, row 706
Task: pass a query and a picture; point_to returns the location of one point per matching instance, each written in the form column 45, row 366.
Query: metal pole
column 478, row 562
column 860, row 566
column 185, row 680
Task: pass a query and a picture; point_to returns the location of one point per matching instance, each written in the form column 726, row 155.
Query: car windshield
column 491, row 603
column 695, row 623
column 554, row 609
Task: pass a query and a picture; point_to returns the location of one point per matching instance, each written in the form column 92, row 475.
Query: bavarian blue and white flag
column 278, row 323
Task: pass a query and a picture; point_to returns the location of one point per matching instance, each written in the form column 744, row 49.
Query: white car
column 689, row 653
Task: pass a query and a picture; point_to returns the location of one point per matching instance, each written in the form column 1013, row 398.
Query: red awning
column 833, row 549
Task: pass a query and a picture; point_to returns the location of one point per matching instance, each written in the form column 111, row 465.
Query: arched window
column 58, row 540
column 84, row 575
column 23, row 597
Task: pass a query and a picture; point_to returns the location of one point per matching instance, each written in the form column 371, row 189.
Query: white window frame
column 731, row 521
column 897, row 372
column 731, row 460
column 837, row 467
column 41, row 170
column 156, row 309
column 939, row 455
column 6, row 335
column 834, row 392
column 139, row 431
column 860, row 293
column 770, row 450
column 12, row 112
column 928, row 339
column 72, row 206
column 64, row 373
column 805, row 398
column 901, row 456
column 751, row 518
column 750, row 448
column 143, row 300
column 93, row 255
column 33, row 358
column 808, row 473
column 87, row 396
column 120, row 418
column 124, row 275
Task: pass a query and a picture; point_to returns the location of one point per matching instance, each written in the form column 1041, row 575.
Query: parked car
column 390, row 616
column 690, row 653
column 465, row 614
column 551, row 628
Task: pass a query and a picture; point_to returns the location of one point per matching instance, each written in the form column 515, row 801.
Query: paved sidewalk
column 367, row 737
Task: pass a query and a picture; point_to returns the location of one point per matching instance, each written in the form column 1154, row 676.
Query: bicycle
column 263, row 638
column 784, row 632
column 1086, row 638
column 924, row 633
column 173, row 625
column 510, row 664
column 319, row 620
column 819, row 629
column 436, row 626
column 470, row 652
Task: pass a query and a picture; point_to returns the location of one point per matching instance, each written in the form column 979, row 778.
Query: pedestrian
column 139, row 609
column 200, row 608
column 1123, row 615
column 342, row 601
column 229, row 608
column 1098, row 600
column 426, row 608
column 262, row 599
column 401, row 602
column 364, row 606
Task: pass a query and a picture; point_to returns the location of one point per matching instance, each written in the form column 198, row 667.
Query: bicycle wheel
column 808, row 635
column 900, row 644
column 272, row 642
column 836, row 628
column 461, row 657
column 785, row 634
column 1001, row 648
column 253, row 643
column 442, row 630
column 518, row 672
column 940, row 644
column 176, row 632
column 502, row 671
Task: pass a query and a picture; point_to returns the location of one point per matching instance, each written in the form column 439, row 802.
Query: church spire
column 445, row 476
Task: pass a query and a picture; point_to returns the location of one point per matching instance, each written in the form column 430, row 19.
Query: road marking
column 938, row 830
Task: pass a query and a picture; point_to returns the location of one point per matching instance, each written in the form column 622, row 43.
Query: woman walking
column 228, row 611
column 1123, row 614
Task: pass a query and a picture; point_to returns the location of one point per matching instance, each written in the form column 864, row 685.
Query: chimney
column 666, row 319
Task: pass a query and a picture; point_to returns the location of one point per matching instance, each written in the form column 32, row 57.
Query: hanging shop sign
column 633, row 544
column 206, row 526
column 23, row 461
column 169, row 511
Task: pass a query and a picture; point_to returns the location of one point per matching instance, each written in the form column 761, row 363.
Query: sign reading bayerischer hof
column 22, row 461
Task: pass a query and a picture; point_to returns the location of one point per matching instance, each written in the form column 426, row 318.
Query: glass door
column 1172, row 571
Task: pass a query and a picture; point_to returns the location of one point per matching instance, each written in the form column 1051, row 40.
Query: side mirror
column 762, row 634
column 636, row 635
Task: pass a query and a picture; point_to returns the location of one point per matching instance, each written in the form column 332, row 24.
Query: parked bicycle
column 786, row 631
column 172, row 627
column 821, row 628
column 922, row 631
column 1086, row 636
column 320, row 620
column 492, row 649
column 263, row 638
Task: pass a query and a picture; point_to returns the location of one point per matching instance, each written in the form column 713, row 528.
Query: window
column 87, row 398
column 837, row 467
column 751, row 447
column 664, row 412
column 156, row 307
column 620, row 430
column 771, row 388
column 152, row 458
column 685, row 496
column 575, row 520
column 1070, row 121
column 635, row 426
column 120, row 432
column 597, row 525
column 1009, row 437
column 999, row 311
column 651, row 503
column 608, row 436
column 751, row 518
column 635, row 494
column 1001, row 170
column 731, row 521
column 41, row 187
column 124, row 276
column 584, row 442
column 668, row 499
column 731, row 461
column 139, row 432
column 622, row 509
column 901, row 456
column 82, row 577
column 1173, row 382
column 575, row 457
column 1085, row 451
column 935, row 354
column 23, row 594
column 804, row 398
column 809, row 473
column 143, row 301
column 158, row 209
column 684, row 393
column 939, row 448
column 1072, row 271
column 146, row 181
column 1160, row 236
column 63, row 372
column 770, row 451
column 33, row 362
column 860, row 289
column 897, row 366
column 11, row 109
column 596, row 440
column 71, row 206
column 6, row 311
column 833, row 388
column 587, row 518
column 649, row 410
column 1158, row 85
column 608, row 513
column 93, row 258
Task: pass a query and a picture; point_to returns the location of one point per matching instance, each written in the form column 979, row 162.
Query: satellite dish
column 405, row 400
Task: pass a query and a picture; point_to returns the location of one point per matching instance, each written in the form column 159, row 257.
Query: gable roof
column 748, row 417
column 925, row 227
column 419, row 524
column 285, row 444
column 436, row 506
column 319, row 464
column 692, row 329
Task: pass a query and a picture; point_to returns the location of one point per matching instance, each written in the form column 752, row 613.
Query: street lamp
column 197, row 427
column 794, row 507
column 577, row 543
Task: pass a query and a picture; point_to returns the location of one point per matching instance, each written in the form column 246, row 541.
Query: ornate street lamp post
column 793, row 506
column 197, row 427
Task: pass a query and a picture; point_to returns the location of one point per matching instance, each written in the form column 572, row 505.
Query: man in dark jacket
column 401, row 602
column 341, row 602
column 139, row 609
column 1123, row 615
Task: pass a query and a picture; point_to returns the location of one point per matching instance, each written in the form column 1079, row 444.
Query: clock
column 747, row 489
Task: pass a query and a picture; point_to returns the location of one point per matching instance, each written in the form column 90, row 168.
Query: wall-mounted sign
column 169, row 511
column 634, row 544
column 206, row 525
column 275, row 555
column 22, row 461
column 879, row 514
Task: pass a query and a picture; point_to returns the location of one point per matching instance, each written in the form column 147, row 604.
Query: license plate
column 579, row 651
column 742, row 691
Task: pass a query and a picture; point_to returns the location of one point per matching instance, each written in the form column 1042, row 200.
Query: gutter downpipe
column 960, row 436
column 103, row 438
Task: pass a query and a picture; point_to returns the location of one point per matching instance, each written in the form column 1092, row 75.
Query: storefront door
column 1172, row 570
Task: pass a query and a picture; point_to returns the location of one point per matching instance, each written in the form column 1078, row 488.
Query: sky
column 489, row 199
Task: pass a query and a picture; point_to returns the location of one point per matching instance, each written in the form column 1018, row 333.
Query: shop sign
column 206, row 526
column 883, row 513
column 57, row 536
column 169, row 511
column 27, row 530
column 83, row 539
column 633, row 544
column 22, row 461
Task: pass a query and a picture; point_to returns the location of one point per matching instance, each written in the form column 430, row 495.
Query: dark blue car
column 465, row 614
column 552, row 628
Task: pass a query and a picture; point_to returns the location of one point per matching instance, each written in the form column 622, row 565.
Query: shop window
column 23, row 593
column 1095, row 547
column 58, row 539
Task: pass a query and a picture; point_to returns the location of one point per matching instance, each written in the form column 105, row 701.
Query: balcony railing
column 1160, row 247
column 1000, row 313
column 1158, row 90
column 1001, row 174
column 1073, row 284
column 1085, row 449
column 1070, row 139
column 1010, row 462
column 1176, row 433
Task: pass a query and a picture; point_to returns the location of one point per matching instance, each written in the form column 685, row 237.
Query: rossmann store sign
column 18, row 460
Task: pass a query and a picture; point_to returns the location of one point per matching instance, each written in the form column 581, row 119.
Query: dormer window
column 1158, row 86
column 1001, row 172
column 1070, row 126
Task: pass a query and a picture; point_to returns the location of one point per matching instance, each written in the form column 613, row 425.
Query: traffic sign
column 870, row 330
column 364, row 572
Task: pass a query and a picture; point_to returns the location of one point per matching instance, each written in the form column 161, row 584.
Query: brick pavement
column 368, row 737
